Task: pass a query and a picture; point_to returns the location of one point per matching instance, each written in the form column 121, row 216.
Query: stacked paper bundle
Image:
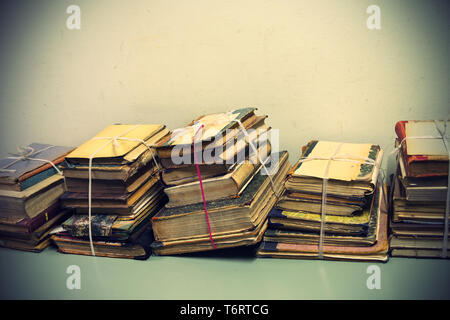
column 221, row 201
column 30, row 186
column 114, row 187
column 419, row 221
column 332, row 206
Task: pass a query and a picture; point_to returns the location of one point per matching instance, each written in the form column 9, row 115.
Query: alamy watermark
column 374, row 280
column 74, row 279
column 73, row 22
column 373, row 22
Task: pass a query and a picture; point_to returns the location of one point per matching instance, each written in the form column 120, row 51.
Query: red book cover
column 30, row 224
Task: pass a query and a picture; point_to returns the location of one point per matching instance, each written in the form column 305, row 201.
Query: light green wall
column 312, row 66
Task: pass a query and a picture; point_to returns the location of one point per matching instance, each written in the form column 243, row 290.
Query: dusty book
column 237, row 214
column 423, row 157
column 353, row 173
column 20, row 174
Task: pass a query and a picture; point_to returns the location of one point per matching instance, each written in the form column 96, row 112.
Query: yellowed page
column 431, row 147
column 88, row 148
column 339, row 170
column 214, row 123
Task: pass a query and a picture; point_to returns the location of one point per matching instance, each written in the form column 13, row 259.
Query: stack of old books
column 30, row 186
column 238, row 184
column 118, row 171
column 420, row 191
column 354, row 225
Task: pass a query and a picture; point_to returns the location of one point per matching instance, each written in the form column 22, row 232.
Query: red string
column 201, row 187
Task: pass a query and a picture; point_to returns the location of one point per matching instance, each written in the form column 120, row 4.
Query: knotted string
column 255, row 150
column 115, row 141
column 196, row 127
column 231, row 118
column 24, row 155
column 442, row 135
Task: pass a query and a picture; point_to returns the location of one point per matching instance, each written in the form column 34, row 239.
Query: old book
column 110, row 227
column 344, row 225
column 40, row 233
column 240, row 238
column 234, row 153
column 414, row 229
column 312, row 203
column 229, row 185
column 376, row 252
column 20, row 175
column 139, row 159
column 31, row 201
column 129, row 205
column 418, row 253
column 417, row 247
column 421, row 189
column 276, row 233
column 182, row 175
column 215, row 124
column 423, row 157
column 119, row 151
column 112, row 187
column 355, row 178
column 25, row 246
column 218, row 133
column 419, row 211
column 235, row 236
column 416, row 243
column 136, row 247
column 35, row 241
column 27, row 225
column 226, row 147
column 227, row 215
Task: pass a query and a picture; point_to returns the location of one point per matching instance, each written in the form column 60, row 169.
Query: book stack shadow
column 237, row 189
column 419, row 192
column 355, row 216
column 125, row 193
column 30, row 187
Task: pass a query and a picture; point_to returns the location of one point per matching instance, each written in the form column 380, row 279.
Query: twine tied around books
column 197, row 126
column 444, row 137
column 115, row 141
column 255, row 150
column 26, row 153
column 229, row 117
column 334, row 157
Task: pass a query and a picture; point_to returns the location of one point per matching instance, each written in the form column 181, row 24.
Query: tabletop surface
column 229, row 275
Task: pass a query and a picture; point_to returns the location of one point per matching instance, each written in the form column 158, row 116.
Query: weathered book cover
column 424, row 157
column 111, row 226
column 377, row 252
column 36, row 241
column 119, row 151
column 19, row 171
column 243, row 200
column 356, row 170
column 278, row 231
column 28, row 225
column 215, row 124
column 136, row 247
column 230, row 240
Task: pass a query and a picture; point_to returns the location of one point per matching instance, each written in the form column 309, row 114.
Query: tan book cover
column 124, row 151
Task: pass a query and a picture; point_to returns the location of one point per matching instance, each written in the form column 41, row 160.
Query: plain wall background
column 312, row 66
